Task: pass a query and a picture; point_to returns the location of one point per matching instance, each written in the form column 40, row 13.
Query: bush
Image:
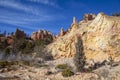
column 116, row 14
column 42, row 53
column 19, row 45
column 8, row 64
column 88, row 70
column 47, row 57
column 43, row 42
column 48, row 73
column 23, row 45
column 3, row 44
column 79, row 58
column 7, row 51
column 29, row 47
column 62, row 66
column 4, row 64
column 42, row 65
column 27, row 63
column 67, row 73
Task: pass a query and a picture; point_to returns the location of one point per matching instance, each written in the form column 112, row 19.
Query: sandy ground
column 39, row 73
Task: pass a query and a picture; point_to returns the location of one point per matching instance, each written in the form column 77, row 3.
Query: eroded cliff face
column 100, row 36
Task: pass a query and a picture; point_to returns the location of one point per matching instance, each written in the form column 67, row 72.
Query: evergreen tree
column 12, row 33
column 4, row 33
column 116, row 14
column 79, row 58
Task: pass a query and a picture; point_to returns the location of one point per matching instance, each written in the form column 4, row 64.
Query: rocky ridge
column 100, row 36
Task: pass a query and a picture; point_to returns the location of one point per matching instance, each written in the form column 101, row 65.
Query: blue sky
column 32, row 15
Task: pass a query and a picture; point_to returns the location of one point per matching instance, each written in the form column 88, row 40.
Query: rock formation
column 73, row 25
column 20, row 34
column 41, row 34
column 100, row 36
column 74, row 20
column 10, row 40
column 88, row 17
column 62, row 32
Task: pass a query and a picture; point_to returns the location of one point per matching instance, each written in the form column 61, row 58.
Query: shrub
column 27, row 63
column 43, row 42
column 8, row 64
column 116, row 14
column 67, row 73
column 19, row 45
column 7, row 51
column 4, row 64
column 42, row 53
column 42, row 65
column 79, row 58
column 23, row 45
column 48, row 73
column 3, row 44
column 87, row 70
column 47, row 57
column 29, row 47
column 62, row 66
column 2, row 35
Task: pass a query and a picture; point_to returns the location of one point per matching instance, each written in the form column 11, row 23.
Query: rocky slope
column 100, row 36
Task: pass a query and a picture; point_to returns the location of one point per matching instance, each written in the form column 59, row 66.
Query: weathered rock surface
column 100, row 36
column 10, row 40
column 41, row 34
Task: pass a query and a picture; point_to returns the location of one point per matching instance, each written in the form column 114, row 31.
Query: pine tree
column 4, row 33
column 116, row 14
column 79, row 58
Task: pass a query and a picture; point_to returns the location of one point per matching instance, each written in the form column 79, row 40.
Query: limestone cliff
column 100, row 36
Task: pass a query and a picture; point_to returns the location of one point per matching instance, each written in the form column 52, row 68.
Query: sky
column 51, row 15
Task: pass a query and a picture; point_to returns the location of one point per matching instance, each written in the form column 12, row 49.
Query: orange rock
column 41, row 34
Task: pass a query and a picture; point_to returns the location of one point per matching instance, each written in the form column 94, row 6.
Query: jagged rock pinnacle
column 74, row 20
column 62, row 32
